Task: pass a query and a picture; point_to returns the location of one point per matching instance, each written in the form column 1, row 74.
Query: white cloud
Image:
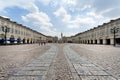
column 60, row 12
column 108, row 8
column 72, row 23
column 42, row 21
column 71, row 13
column 94, row 15
column 45, row 2
column 26, row 4
column 39, row 19
column 98, row 7
column 34, row 17
column 59, row 2
column 63, row 14
column 68, row 2
column 53, row 3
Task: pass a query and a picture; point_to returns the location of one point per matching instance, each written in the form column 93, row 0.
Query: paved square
column 61, row 62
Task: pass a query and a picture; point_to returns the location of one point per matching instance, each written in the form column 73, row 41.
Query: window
column 21, row 33
column 24, row 33
column 0, row 21
column 12, row 30
column 16, row 31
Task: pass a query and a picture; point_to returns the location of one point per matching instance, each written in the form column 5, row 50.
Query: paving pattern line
column 37, row 69
column 82, row 69
column 59, row 69
column 73, row 71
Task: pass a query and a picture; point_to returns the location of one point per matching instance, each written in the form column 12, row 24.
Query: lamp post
column 114, row 31
column 6, row 30
column 61, row 37
column 40, row 41
column 79, row 39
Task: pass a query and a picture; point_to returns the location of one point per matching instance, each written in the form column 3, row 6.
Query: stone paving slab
column 34, row 68
column 39, row 65
column 97, row 78
column 72, row 68
column 88, row 65
column 37, row 69
column 85, row 69
column 75, row 76
column 80, row 68
column 31, row 73
column 95, row 68
column 100, row 73
column 26, row 78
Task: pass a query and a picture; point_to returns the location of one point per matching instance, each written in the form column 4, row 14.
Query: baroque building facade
column 17, row 33
column 103, row 34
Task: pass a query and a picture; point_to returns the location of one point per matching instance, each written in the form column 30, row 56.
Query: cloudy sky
column 53, row 17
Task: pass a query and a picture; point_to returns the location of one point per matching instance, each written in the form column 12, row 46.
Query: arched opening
column 69, row 41
column 108, row 41
column 88, row 42
column 118, row 40
column 95, row 41
column 85, row 41
column 24, row 41
column 19, row 40
column 50, row 41
column 27, row 41
column 101, row 41
column 12, row 39
column 31, row 41
column 91, row 41
column 2, row 38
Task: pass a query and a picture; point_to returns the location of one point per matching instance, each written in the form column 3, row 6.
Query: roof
column 22, row 25
column 111, row 21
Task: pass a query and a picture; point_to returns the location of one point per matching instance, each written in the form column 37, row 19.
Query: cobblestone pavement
column 85, row 69
column 106, row 56
column 61, row 62
column 12, row 57
column 59, row 70
column 37, row 69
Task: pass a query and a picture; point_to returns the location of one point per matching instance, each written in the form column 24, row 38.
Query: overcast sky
column 51, row 17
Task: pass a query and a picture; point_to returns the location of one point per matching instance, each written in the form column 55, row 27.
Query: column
column 98, row 41
column 111, row 41
column 104, row 41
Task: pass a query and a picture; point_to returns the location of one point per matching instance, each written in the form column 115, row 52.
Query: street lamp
column 6, row 30
column 114, row 31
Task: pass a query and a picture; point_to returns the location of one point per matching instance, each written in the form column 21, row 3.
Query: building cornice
column 21, row 25
column 99, row 26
